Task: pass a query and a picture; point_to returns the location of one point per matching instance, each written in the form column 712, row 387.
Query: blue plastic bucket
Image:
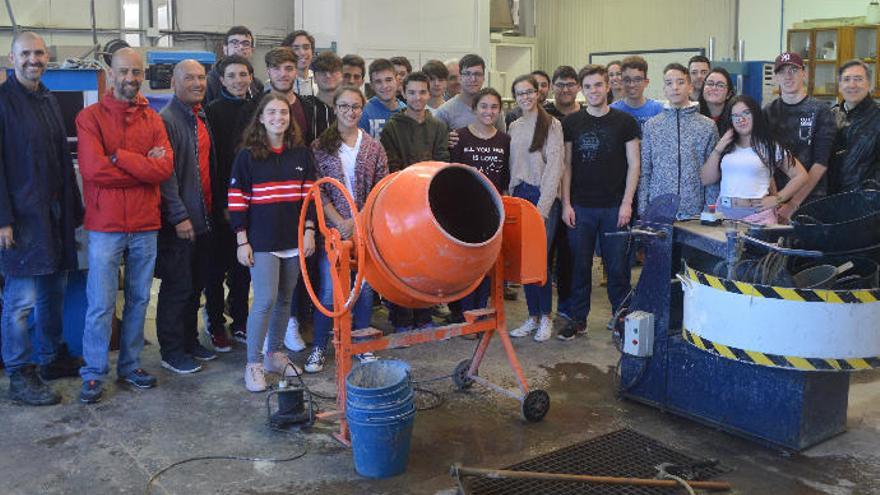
column 380, row 414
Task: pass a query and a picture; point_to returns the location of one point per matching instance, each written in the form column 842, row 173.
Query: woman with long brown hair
column 536, row 154
column 270, row 177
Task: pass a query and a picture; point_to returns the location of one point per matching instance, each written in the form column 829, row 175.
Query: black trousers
column 224, row 267
column 401, row 317
column 182, row 266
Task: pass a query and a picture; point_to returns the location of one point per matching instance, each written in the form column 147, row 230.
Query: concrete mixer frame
column 485, row 322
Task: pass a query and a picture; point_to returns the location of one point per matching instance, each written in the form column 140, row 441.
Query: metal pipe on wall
column 12, row 18
column 711, row 51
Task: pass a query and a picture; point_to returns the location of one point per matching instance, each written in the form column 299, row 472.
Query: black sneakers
column 63, row 366
column 140, row 378
column 91, row 392
column 202, row 353
column 571, row 330
column 182, row 364
column 26, row 387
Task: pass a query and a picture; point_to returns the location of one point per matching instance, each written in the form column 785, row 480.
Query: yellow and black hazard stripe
column 786, row 293
column 777, row 361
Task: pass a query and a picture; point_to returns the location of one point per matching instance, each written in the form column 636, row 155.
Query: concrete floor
column 115, row 446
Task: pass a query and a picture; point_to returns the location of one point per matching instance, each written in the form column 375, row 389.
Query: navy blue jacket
column 182, row 196
column 39, row 196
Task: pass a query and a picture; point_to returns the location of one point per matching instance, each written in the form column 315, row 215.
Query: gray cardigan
column 675, row 144
column 182, row 196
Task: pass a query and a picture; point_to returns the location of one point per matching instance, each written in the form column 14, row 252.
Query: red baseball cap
column 788, row 58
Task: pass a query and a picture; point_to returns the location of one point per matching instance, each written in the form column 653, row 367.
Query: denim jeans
column 590, row 226
column 563, row 271
column 479, row 298
column 107, row 250
column 42, row 295
column 539, row 298
column 361, row 312
column 273, row 280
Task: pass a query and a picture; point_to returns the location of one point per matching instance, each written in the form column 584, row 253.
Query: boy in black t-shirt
column 598, row 186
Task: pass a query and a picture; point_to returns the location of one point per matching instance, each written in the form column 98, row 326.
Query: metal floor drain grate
column 623, row 453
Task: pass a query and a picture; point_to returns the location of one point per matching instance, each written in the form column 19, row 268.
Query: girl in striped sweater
column 271, row 176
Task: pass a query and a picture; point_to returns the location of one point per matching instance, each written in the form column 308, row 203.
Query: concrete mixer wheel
column 535, row 406
column 460, row 376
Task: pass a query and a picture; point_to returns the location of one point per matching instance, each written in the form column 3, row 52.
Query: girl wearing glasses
column 744, row 160
column 536, row 154
column 718, row 90
column 349, row 155
column 270, row 177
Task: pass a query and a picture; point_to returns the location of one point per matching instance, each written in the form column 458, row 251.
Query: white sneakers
column 528, row 326
column 278, row 362
column 292, row 339
column 254, row 377
column 543, row 330
column 274, row 362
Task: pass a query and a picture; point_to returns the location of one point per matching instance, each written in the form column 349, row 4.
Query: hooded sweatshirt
column 407, row 141
column 675, row 144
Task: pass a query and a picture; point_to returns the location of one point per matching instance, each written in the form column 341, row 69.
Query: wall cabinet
column 824, row 50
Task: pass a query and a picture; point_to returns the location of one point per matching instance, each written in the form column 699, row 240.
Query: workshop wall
column 763, row 23
column 568, row 30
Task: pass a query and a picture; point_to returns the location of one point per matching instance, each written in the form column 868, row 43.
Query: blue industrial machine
column 753, row 78
column 161, row 64
column 763, row 361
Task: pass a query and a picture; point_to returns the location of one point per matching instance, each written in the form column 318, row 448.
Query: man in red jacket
column 124, row 155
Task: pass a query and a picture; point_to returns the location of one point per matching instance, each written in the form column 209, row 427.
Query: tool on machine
column 428, row 235
column 458, row 471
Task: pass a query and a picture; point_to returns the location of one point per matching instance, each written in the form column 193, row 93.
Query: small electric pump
column 295, row 408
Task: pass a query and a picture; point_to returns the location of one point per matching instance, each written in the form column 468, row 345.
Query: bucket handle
column 385, row 419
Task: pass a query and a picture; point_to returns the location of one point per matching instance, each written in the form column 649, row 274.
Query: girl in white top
column 744, row 161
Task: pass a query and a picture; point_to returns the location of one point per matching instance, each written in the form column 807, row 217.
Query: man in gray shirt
column 457, row 112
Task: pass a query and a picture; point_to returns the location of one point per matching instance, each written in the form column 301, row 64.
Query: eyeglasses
column 852, row 79
column 633, row 80
column 713, row 84
column 789, row 70
column 528, row 92
column 565, row 85
column 741, row 116
column 345, row 108
column 241, row 43
column 615, row 74
column 471, row 75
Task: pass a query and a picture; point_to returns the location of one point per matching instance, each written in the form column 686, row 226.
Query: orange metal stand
column 522, row 259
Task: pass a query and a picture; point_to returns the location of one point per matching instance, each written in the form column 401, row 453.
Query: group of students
column 243, row 155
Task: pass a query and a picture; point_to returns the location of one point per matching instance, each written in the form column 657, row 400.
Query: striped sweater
column 265, row 197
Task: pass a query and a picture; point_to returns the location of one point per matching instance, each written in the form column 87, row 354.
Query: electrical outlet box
column 638, row 334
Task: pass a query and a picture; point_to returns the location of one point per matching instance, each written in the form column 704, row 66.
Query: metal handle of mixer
column 782, row 250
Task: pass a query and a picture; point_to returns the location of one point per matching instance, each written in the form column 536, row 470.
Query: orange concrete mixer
column 426, row 235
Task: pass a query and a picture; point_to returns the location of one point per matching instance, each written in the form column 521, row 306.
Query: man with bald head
column 124, row 156
column 187, row 209
column 40, row 207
